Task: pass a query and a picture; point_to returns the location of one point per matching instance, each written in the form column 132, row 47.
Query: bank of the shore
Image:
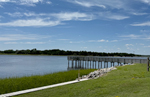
column 125, row 81
column 8, row 85
column 93, row 75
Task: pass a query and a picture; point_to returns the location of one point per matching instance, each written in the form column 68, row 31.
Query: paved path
column 40, row 88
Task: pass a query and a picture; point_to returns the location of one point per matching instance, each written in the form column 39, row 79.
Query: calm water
column 20, row 65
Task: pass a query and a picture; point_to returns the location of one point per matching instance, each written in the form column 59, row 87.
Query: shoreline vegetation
column 125, row 81
column 8, row 85
column 63, row 53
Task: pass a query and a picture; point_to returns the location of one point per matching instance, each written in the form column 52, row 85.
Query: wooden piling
column 72, row 64
column 148, row 64
column 90, row 64
column 68, row 63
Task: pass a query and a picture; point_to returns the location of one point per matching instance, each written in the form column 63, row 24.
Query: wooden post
column 85, row 64
column 98, row 64
column 95, row 64
column 68, row 63
column 72, row 64
column 107, row 64
column 75, row 63
column 148, row 64
column 79, row 75
column 124, row 61
column 90, row 64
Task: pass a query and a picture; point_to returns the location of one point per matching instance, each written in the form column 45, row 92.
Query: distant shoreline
column 57, row 52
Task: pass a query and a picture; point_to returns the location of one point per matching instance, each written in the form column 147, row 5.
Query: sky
column 77, row 25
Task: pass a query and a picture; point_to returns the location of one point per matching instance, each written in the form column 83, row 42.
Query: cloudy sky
column 89, row 25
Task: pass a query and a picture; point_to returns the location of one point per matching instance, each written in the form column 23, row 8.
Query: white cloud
column 24, row 42
column 48, row 2
column 26, row 2
column 31, row 22
column 112, row 16
column 118, row 4
column 34, row 42
column 132, row 36
column 10, row 42
column 146, row 1
column 129, row 46
column 87, row 4
column 141, row 44
column 114, row 41
column 117, row 17
column 29, row 14
column 14, row 37
column 147, row 46
column 64, row 39
column 4, row 0
column 134, row 13
column 102, row 40
column 73, row 16
column 16, row 14
column 76, row 42
column 141, row 24
column 29, row 2
column 52, row 19
column 84, row 47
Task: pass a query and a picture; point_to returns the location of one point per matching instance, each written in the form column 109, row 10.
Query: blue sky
column 78, row 25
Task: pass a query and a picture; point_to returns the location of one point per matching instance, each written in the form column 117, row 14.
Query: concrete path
column 40, row 88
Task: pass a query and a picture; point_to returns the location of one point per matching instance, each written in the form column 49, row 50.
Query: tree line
column 63, row 52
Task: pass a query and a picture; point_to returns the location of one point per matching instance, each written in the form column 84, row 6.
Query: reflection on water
column 26, row 65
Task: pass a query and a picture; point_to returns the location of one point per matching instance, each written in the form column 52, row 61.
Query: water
column 26, row 65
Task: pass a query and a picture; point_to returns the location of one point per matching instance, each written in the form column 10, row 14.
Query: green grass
column 8, row 85
column 126, row 81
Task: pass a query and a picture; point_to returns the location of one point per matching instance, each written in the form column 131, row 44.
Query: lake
column 26, row 65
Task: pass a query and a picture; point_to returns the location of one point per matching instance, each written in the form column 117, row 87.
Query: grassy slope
column 126, row 81
column 8, row 85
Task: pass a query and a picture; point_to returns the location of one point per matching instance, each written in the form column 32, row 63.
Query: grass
column 8, row 85
column 126, row 81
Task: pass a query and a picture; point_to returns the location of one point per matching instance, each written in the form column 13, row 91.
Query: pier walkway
column 97, row 62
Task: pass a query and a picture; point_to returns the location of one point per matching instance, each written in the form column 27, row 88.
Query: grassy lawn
column 126, row 81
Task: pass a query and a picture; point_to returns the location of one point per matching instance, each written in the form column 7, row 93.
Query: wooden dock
column 97, row 62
